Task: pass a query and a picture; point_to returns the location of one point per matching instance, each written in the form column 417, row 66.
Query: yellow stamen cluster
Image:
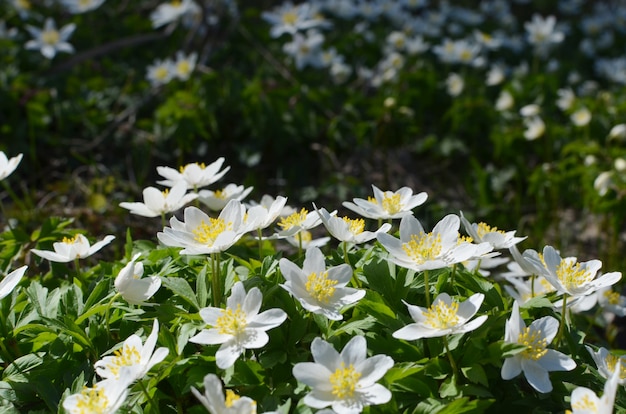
column 50, row 37
column 392, row 204
column 231, row 322
column 161, row 73
column 231, row 397
column 92, row 401
column 534, row 342
column 356, row 226
column 344, row 381
column 320, row 287
column 84, row 3
column 220, row 194
column 613, row 361
column 290, row 18
column 612, row 297
column 127, row 356
column 464, row 239
column 201, row 165
column 295, row 219
column 442, row 316
column 484, row 228
column 183, row 67
column 423, row 247
column 572, row 276
column 585, row 404
column 206, row 233
column 72, row 240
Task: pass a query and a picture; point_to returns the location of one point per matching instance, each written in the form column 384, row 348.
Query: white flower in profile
column 8, row 165
column 612, row 302
column 166, row 13
column 194, row 174
column 603, row 182
column 238, row 327
column 134, row 288
column 505, row 101
column 618, row 132
column 215, row 402
column 81, row 6
column 482, row 232
column 320, row 290
column 139, row 357
column 304, row 239
column 536, row 360
column 217, row 200
column 387, row 204
column 523, row 290
column 440, row 248
column 495, row 75
column 575, row 278
column 535, row 128
column 581, row 117
column 585, row 401
column 10, row 281
column 268, row 210
column 607, row 363
column 105, row 397
column 454, row 84
column 566, row 98
column 446, row 316
column 201, row 234
column 297, row 222
column 349, row 230
column 160, row 72
column 184, row 65
column 49, row 40
column 157, row 202
column 530, row 110
column 68, row 249
column 346, row 381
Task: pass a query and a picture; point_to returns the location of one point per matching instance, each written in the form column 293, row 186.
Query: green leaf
column 476, row 374
column 16, row 370
column 181, row 288
column 355, row 327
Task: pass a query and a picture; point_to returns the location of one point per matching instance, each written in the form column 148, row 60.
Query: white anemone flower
column 535, row 128
column 238, row 327
column 194, row 174
column 536, row 360
column 166, row 13
column 454, row 84
column 289, row 18
column 160, row 72
column 217, row 200
column 346, row 381
column 440, row 248
column 81, row 6
column 298, row 221
column 569, row 276
column 304, row 240
column 446, row 316
column 606, row 363
column 69, row 249
column 157, row 203
column 215, row 402
column 49, row 40
column 349, row 230
column 387, row 204
column 612, row 302
column 11, row 280
column 320, row 290
column 585, row 401
column 105, row 397
column 134, row 288
column 505, row 101
column 184, row 65
column 482, row 232
column 201, row 234
column 267, row 211
column 581, row 117
column 139, row 357
column 8, row 165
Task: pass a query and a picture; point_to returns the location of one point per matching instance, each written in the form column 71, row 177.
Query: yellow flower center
column 534, row 342
column 50, row 37
column 201, row 165
column 68, row 240
column 465, row 55
column 585, row 404
column 128, row 356
column 572, row 276
column 613, row 361
column 207, row 233
column 392, row 204
column 423, row 247
column 84, row 3
column 356, row 226
column 320, row 287
column 442, row 316
column 161, row 73
column 612, row 297
column 183, row 67
column 293, row 220
column 484, row 228
column 231, row 322
column 176, row 3
column 464, row 239
column 290, row 18
column 23, row 4
column 231, row 397
column 344, row 381
column 221, row 194
column 92, row 401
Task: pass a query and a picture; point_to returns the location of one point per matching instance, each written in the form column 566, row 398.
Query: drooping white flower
column 536, row 360
column 535, row 128
column 8, row 165
column 346, row 381
column 387, row 204
column 194, row 174
column 138, row 357
column 157, row 202
column 105, row 397
column 217, row 200
column 49, row 40
column 267, row 211
column 81, row 6
column 446, row 316
column 349, row 230
column 215, row 402
column 238, row 327
column 482, row 232
column 318, row 289
column 11, row 280
column 69, row 249
column 134, row 288
column 585, row 401
column 454, row 84
column 607, row 363
column 201, row 234
column 440, row 248
column 170, row 12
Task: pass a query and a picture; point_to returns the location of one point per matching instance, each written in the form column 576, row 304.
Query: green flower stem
column 216, row 282
column 345, row 253
column 79, row 274
column 260, row 237
column 452, row 274
column 145, row 392
column 108, row 309
column 427, row 288
column 559, row 335
column 455, row 369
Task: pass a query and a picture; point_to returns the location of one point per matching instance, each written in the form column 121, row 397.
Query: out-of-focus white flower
column 619, row 164
column 160, row 72
column 289, row 18
column 134, row 288
column 214, row 401
column 611, row 302
column 618, row 132
column 566, row 98
column 49, row 40
column 81, row 6
column 542, row 33
column 184, row 65
column 169, row 12
column 505, row 101
column 8, row 165
column 340, row 72
column 306, row 49
column 581, row 117
column 194, row 174
column 7, row 33
column 459, row 51
column 607, row 363
column 11, row 280
column 454, row 84
column 486, row 40
column 603, row 182
column 535, row 128
column 530, row 110
column 387, row 204
column 495, row 76
column 585, row 401
column 217, row 200
column 416, row 45
column 157, row 202
column 77, row 247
